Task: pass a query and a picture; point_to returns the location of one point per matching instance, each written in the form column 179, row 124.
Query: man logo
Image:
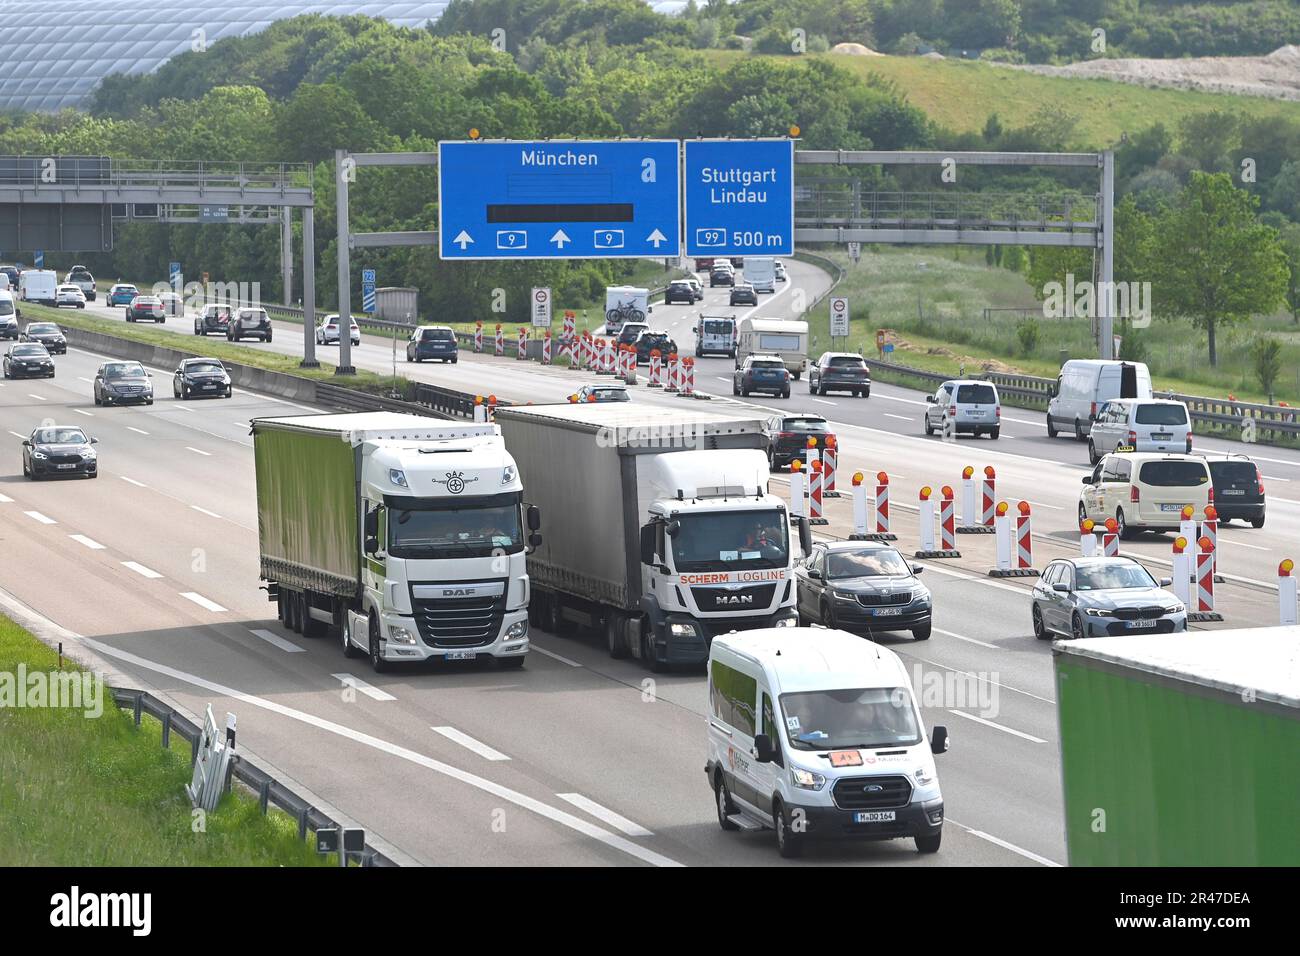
column 734, row 599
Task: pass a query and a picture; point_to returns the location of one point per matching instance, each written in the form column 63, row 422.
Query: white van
column 1140, row 424
column 760, row 272
column 815, row 733
column 39, row 285
column 1085, row 385
column 8, row 316
column 787, row 338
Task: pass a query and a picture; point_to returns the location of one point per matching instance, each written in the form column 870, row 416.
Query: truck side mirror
column 672, row 528
column 805, row 536
column 535, row 540
column 648, row 544
column 372, row 532
column 939, row 740
column 534, row 518
column 763, row 751
column 372, row 544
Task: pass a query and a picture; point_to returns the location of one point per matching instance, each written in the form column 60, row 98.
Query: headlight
column 90, row 453
column 517, row 629
column 400, row 635
column 787, row 622
column 844, row 596
column 683, row 630
column 920, row 594
column 1097, row 612
column 39, row 454
column 1175, row 609
column 397, row 477
column 923, row 776
column 806, row 779
column 507, row 474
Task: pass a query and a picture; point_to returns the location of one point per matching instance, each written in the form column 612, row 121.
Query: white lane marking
column 82, row 378
column 1022, row 421
column 533, row 646
column 1274, row 478
column 989, row 723
column 275, row 640
column 1042, row 504
column 469, row 743
column 37, row 516
column 553, row 814
column 721, row 379
column 141, row 569
column 1027, row 854
column 605, row 815
column 16, row 435
column 1242, row 544
column 962, row 637
column 970, row 577
column 901, row 418
column 986, row 680
column 138, row 484
column 199, row 451
column 91, row 543
column 356, row 683
column 6, row 500
column 39, row 398
column 205, row 511
column 138, row 430
column 895, row 398
column 183, row 408
column 824, row 402
column 82, row 411
column 202, row 602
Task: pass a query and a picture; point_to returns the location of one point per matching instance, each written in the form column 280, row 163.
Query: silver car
column 327, row 333
column 964, row 405
column 1103, row 597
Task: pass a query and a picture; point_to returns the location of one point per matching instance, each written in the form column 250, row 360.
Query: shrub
column 1027, row 333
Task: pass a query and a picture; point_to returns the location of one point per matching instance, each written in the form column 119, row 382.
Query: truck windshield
column 851, row 719
column 468, row 528
column 723, row 541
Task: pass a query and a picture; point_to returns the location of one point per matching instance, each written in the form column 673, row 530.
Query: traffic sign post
column 739, row 197
column 38, row 259
column 174, row 274
column 839, row 317
column 559, row 200
column 368, row 290
column 541, row 301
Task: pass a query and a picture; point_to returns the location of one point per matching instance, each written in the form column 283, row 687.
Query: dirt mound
column 1276, row 75
column 972, row 364
column 855, row 49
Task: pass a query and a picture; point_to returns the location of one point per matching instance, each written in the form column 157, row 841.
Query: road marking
column 141, row 569
column 39, row 398
column 139, row 430
column 202, row 602
column 1004, row 844
column 901, row 418
column 275, row 640
column 91, row 543
column 16, row 435
column 356, row 683
column 961, row 637
column 6, row 500
column 138, row 484
column 183, row 408
column 210, row 514
column 82, row 378
column 1041, row 504
column 895, row 398
column 469, row 743
column 37, row 516
column 1022, row 421
column 605, row 815
column 198, row 451
column 824, row 402
column 82, row 411
column 970, row 577
column 989, row 723
column 551, row 654
column 978, row 677
column 554, row 814
column 1274, row 478
column 1242, row 544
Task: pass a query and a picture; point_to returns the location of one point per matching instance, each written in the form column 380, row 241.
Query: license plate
column 459, row 656
column 1171, row 507
column 1159, row 437
column 888, row 611
column 1134, row 624
column 66, row 466
column 1233, row 491
column 874, row 816
column 976, row 414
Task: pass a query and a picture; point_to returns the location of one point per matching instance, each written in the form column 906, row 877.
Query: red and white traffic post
column 1187, row 528
column 656, row 362
column 926, row 533
column 830, row 458
column 499, row 344
column 570, row 326
column 673, row 361
column 1210, row 530
column 522, row 352
column 1024, row 540
column 815, row 492
column 1002, row 535
column 988, row 493
column 859, row 506
column 947, row 523
column 1110, row 539
column 1205, row 577
column 478, row 336
column 798, row 490
column 882, row 505
column 546, row 348
column 1182, row 570
column 1087, row 540
column 688, row 377
column 1286, row 592
column 970, row 520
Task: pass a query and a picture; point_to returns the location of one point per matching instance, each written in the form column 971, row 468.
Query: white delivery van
column 815, row 733
column 39, row 285
column 787, row 338
column 1085, row 385
column 8, row 316
column 760, row 272
column 4, row 282
column 715, row 335
column 625, row 303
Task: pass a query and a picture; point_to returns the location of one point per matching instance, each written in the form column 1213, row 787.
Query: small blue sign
column 367, row 297
column 38, row 258
column 559, row 200
column 888, row 347
column 368, row 275
column 739, row 197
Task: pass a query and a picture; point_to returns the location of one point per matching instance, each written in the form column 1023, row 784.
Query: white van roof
column 775, row 325
column 1101, row 363
column 815, row 658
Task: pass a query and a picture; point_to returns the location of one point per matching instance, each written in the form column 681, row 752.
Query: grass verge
column 83, row 791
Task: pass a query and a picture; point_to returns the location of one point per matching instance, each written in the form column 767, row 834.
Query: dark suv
column 647, row 342
column 1238, row 489
column 145, row 307
column 839, row 372
column 214, row 318
column 432, row 342
column 761, row 373
column 680, row 291
column 249, row 321
column 785, row 437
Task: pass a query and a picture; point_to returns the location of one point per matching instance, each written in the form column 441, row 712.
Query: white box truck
column 787, row 338
column 39, row 286
column 1085, row 385
column 760, row 272
column 405, row 534
column 663, row 532
column 625, row 303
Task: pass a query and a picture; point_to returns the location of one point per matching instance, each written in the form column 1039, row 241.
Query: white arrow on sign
column 656, row 237
column 560, row 238
column 463, row 239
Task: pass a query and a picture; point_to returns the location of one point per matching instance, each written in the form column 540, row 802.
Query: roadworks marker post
column 859, row 508
column 672, row 373
column 521, row 352
column 478, row 336
column 1181, row 573
column 798, row 490
column 656, row 363
column 1205, row 585
column 1286, row 592
column 499, row 343
column 947, row 528
column 989, row 493
column 880, row 510
column 1210, row 529
column 480, row 410
column 1024, row 542
column 546, row 348
column 977, row 521
column 1002, row 540
column 968, row 516
column 815, row 493
column 1110, row 540
column 926, row 534
column 1087, row 540
column 830, row 459
column 1014, row 543
column 1187, row 528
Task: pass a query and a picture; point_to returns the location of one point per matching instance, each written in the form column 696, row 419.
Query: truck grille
column 754, row 598
column 459, row 622
column 851, row 793
column 898, row 598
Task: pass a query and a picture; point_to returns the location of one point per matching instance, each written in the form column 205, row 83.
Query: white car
column 70, row 295
column 1145, row 491
column 780, row 270
column 602, row 392
column 1140, row 424
column 327, row 333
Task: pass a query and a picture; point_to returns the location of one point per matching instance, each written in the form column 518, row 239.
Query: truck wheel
column 310, row 626
column 614, row 636
column 377, row 663
column 345, row 633
column 929, row 844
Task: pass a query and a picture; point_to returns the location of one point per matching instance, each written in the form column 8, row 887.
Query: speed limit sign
column 542, row 308
column 839, row 317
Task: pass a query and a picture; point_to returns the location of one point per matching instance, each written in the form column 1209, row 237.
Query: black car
column 742, row 293
column 250, row 321
column 48, row 334
column 785, row 437
column 1238, row 489
column 215, row 317
column 432, row 342
column 200, row 376
column 761, row 373
column 59, row 450
column 28, row 360
column 146, row 307
column 647, row 342
column 630, row 332
column 864, row 587
column 117, row 383
column 680, row 291
column 721, row 277
column 839, row 372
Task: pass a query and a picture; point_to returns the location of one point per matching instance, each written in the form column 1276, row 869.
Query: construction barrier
column 1205, row 585
column 546, row 348
column 969, row 519
column 688, row 377
column 989, row 490
column 570, row 326
column 1002, row 540
column 1210, row 529
column 859, row 508
column 1087, row 540
column 499, row 343
column 478, row 336
column 1187, row 528
column 1110, row 539
column 926, row 533
column 977, row 515
column 656, row 368
column 1182, row 573
column 798, row 490
column 829, row 461
column 947, row 527
column 882, row 532
column 492, row 408
column 673, row 364
column 1286, row 592
column 815, row 493
column 480, row 410
column 522, row 352
column 1024, row 542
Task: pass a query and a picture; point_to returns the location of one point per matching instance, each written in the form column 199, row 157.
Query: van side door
column 768, row 775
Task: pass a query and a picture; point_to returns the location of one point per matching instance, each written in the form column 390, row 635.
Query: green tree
column 1213, row 262
column 1266, row 357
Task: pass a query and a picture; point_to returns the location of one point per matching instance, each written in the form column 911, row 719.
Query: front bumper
column 47, row 468
column 860, row 620
column 832, row 823
column 1114, row 627
column 113, row 398
column 694, row 648
column 31, row 371
column 207, row 388
column 392, row 650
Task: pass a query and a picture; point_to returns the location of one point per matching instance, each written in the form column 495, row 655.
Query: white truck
column 715, row 335
column 760, row 272
column 39, row 286
column 625, row 303
column 664, row 533
column 404, row 534
column 787, row 338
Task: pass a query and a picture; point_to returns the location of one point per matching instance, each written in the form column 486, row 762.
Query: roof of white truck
column 1264, row 661
column 815, row 658
column 627, row 416
column 373, row 426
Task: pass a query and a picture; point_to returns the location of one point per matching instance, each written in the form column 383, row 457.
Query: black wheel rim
column 1076, row 627
column 1038, row 622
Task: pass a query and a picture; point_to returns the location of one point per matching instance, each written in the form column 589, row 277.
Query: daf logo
column 734, row 599
column 872, row 788
column 455, row 481
column 459, row 592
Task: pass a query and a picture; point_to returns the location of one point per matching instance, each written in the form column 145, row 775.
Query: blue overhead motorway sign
column 739, row 197
column 559, row 200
